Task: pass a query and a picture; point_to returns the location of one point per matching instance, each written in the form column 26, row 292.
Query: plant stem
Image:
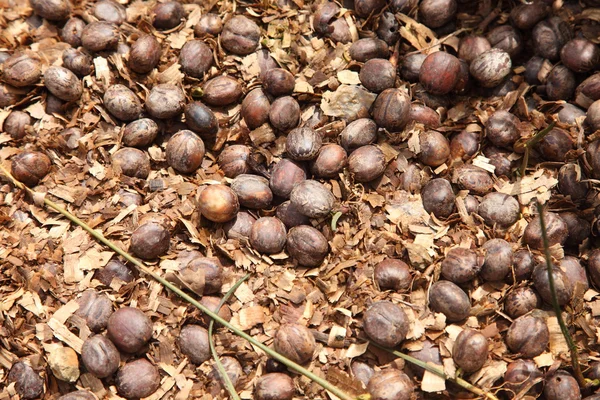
column 228, row 384
column 532, row 142
column 439, row 372
column 565, row 331
column 141, row 267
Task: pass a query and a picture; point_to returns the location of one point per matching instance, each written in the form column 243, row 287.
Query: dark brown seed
column 358, row 133
column 115, row 269
column 593, row 116
column 499, row 209
column 438, row 197
column 22, row 69
column 295, row 342
column 518, row 375
column 168, row 15
column 411, row 179
column 285, row 175
column 268, row 235
column 560, row 83
column 62, row 83
column 575, row 272
column 233, row 369
column 506, row 38
column 100, row 36
column 201, row 119
column 17, row 124
column 388, row 29
column 364, row 8
column 524, row 16
column 439, row 72
column 110, row 11
column 278, row 82
column 204, row 275
column 498, row 260
column 435, row 148
column 140, row 133
column 95, row 309
column 429, row 353
column 79, row 395
column 185, row 152
column 367, row 48
column 252, row 191
column 391, row 109
column 312, row 199
column 323, row 16
column 436, row 13
column 132, row 162
column 367, row 163
column 240, row 35
column 392, row 274
column 594, row 266
column 52, row 10
column 340, row 31
column 524, row 263
column 307, row 245
column 9, row 95
column 390, row 384
column 424, row 115
column 330, row 161
column 499, row 159
column 28, row 383
column 588, row 91
column 71, row 32
column 137, row 379
column 471, row 204
column 555, row 145
column 150, row 241
column 222, row 91
column 193, row 342
column 30, row 167
column 556, row 230
column 121, row 102
column 78, row 62
column 474, row 179
column 218, row 203
column 580, row 55
column 461, row 265
column 377, row 75
column 241, row 226
column 144, row 54
column 569, row 182
column 502, row 129
column 528, row 336
column 491, row 67
column 209, row 24
column 284, row 113
column 290, row 216
column 569, row 113
column 165, row 101
column 274, row 386
column 233, row 160
column 520, row 301
column 195, row 58
column 411, row 67
column 450, row 300
column 303, row 144
column 470, row 47
column 129, row 329
column 470, row 350
column 549, row 36
column 561, row 386
column 255, row 108
column 579, row 229
column 562, row 285
column 100, row 356
column 464, row 145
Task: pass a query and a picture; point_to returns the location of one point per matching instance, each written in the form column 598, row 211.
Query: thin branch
column 141, row 267
column 565, row 331
column 228, row 384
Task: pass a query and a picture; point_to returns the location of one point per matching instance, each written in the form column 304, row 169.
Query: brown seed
column 560, row 83
column 22, row 69
column 193, row 342
column 268, row 235
column 556, row 230
column 150, row 241
column 9, row 95
column 411, row 67
column 165, row 101
column 140, row 133
column 30, row 167
column 561, row 386
column 470, row 351
column 218, row 203
column 323, row 16
column 367, row 48
column 137, row 379
column 470, row 47
column 435, row 148
column 580, row 55
column 95, row 309
column 569, row 113
column 330, row 161
column 474, row 179
column 303, row 144
column 439, row 73
column 290, row 216
column 499, row 159
column 100, row 36
column 569, row 182
column 312, row 199
column 520, row 301
column 212, row 303
column 450, row 300
column 121, row 102
column 233, row 369
column 185, row 152
column 594, row 266
column 429, row 353
column 358, row 133
column 390, row 384
column 562, row 284
column 284, row 113
column 549, row 36
column 100, row 356
column 464, row 145
column 71, row 32
column 167, row 15
column 253, row 191
column 286, row 174
column 438, row 198
column 518, row 375
column 201, row 119
column 391, row 109
column 110, row 11
column 295, row 342
column 555, row 145
column 499, row 209
column 195, row 58
column 255, row 108
column 502, row 129
column 278, row 82
column 436, row 13
column 528, row 336
column 385, row 323
column 209, row 24
column 588, row 91
column 367, row 163
column 132, row 162
column 129, row 329
column 17, row 124
column 498, row 260
column 461, row 265
column 491, row 67
column 377, row 74
column 274, row 386
column 28, row 383
column 144, row 54
column 424, row 115
column 233, row 160
column 240, row 35
column 62, row 83
column 524, row 263
column 361, row 371
column 411, row 179
column 78, row 62
column 52, row 10
column 307, row 245
column 222, row 91
column 204, row 275
column 115, row 269
column 79, row 395
column 388, row 28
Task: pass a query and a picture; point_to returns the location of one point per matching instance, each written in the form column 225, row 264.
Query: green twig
column 565, row 331
column 439, row 372
column 228, row 384
column 532, row 142
column 141, row 267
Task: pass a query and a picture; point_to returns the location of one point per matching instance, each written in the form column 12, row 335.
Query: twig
column 440, row 372
column 141, row 267
column 532, row 142
column 228, row 384
column 565, row 331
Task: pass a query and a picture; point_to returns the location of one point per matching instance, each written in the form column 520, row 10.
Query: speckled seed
column 312, row 199
column 390, row 384
column 290, row 216
column 461, row 265
column 474, row 179
column 110, row 11
column 121, row 102
column 385, row 323
column 253, row 191
column 491, row 67
column 367, row 163
column 28, row 383
column 274, row 386
column 307, row 245
column 222, row 91
column 502, row 129
column 295, row 342
column 470, row 350
column 100, row 36
column 185, row 151
column 52, row 10
column 63, row 83
column 140, row 133
column 303, row 143
column 144, row 54
column 22, row 69
column 358, row 133
column 520, row 301
column 562, row 285
column 268, row 235
column 450, row 300
column 528, row 336
column 165, row 101
column 499, row 209
column 240, row 35
column 195, row 58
